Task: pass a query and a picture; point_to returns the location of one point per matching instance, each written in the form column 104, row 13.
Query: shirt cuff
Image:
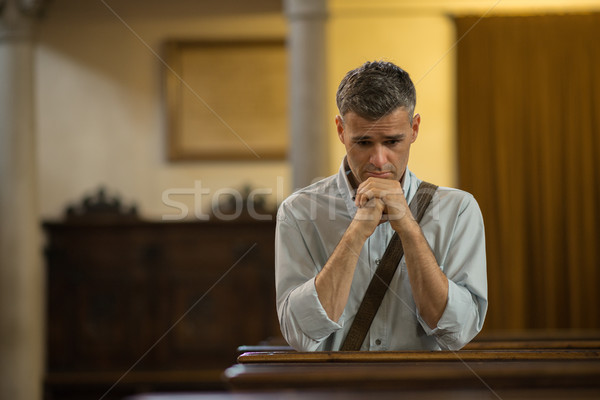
column 309, row 313
column 447, row 330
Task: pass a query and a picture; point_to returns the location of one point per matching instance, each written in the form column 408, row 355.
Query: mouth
column 382, row 175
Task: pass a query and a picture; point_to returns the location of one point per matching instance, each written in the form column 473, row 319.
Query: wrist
column 356, row 233
column 406, row 227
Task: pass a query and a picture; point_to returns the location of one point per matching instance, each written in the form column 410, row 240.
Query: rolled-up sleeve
column 303, row 321
column 465, row 268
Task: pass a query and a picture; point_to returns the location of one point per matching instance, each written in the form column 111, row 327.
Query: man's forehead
column 398, row 117
column 399, row 111
column 357, row 126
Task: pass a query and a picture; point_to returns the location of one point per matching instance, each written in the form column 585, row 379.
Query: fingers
column 387, row 190
column 371, row 211
column 369, row 216
column 382, row 200
column 364, row 196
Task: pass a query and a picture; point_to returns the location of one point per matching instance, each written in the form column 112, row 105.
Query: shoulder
column 457, row 201
column 322, row 188
column 454, row 195
column 301, row 201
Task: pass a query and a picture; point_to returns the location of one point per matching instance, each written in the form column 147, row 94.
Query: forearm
column 304, row 323
column 335, row 279
column 428, row 283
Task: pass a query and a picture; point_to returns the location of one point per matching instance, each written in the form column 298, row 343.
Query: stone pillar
column 307, row 90
column 21, row 310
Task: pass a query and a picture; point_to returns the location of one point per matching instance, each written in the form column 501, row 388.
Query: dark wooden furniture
column 554, row 373
column 137, row 305
column 428, row 394
column 417, row 356
column 517, row 369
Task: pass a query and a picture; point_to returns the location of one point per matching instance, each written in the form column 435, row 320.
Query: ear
column 416, row 122
column 339, row 124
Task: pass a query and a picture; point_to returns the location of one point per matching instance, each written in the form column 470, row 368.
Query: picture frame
column 226, row 100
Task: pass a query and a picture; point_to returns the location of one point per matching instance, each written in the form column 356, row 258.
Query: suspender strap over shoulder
column 384, row 274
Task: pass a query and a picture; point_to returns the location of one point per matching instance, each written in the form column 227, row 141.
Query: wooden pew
column 432, row 394
column 533, row 344
column 406, row 370
column 536, row 339
column 509, row 367
column 415, row 375
column 417, row 356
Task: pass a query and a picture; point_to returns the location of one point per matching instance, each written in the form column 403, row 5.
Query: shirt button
column 378, row 342
column 377, row 261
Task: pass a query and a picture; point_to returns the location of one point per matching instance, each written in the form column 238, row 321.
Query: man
column 331, row 235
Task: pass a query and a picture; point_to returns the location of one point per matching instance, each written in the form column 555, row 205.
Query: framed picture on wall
column 226, row 100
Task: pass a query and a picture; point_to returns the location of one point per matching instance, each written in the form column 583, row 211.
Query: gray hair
column 375, row 89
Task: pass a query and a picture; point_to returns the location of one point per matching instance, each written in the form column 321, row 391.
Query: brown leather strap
column 384, row 274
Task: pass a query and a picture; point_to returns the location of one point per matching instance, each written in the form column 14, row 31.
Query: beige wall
column 101, row 119
column 99, row 89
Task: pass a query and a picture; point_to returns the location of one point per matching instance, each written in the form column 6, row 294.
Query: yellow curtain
column 529, row 151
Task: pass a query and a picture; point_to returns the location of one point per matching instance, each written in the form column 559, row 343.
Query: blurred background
column 105, row 94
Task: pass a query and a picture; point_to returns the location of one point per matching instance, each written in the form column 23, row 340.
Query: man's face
column 378, row 148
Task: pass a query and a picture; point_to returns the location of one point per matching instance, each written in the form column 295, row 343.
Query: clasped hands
column 380, row 200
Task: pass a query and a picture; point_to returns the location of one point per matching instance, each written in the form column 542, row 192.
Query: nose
column 378, row 156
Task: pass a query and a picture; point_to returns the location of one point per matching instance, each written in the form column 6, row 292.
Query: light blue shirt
column 311, row 222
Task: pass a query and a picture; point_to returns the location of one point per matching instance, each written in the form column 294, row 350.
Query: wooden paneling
column 155, row 296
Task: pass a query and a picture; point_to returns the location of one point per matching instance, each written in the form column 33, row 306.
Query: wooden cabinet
column 163, row 299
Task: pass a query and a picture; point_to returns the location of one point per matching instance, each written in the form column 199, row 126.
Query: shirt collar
column 346, row 189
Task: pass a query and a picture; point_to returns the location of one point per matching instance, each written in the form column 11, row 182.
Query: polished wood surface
column 562, row 365
column 417, row 356
column 416, row 375
column 431, row 394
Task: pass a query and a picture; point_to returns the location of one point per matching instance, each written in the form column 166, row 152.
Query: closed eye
column 389, row 141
